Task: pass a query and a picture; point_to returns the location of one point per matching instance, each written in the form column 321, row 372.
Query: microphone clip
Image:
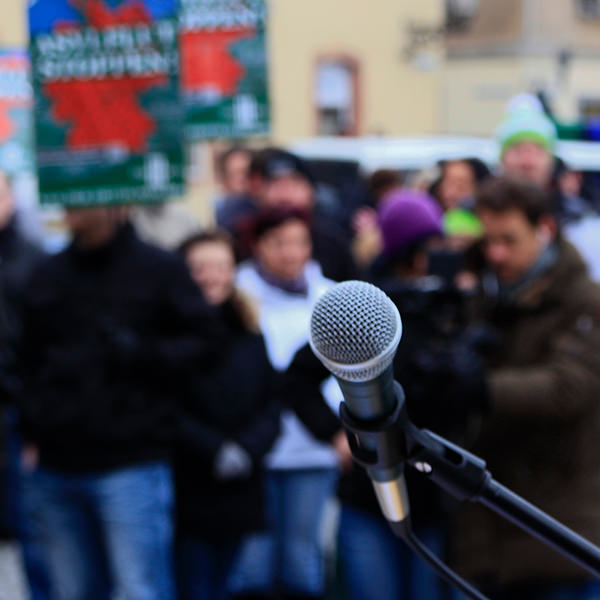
column 379, row 445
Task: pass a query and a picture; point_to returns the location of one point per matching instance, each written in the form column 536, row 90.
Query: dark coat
column 540, row 438
column 109, row 338
column 235, row 401
column 18, row 259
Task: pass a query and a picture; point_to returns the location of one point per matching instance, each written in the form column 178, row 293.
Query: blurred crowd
column 167, row 432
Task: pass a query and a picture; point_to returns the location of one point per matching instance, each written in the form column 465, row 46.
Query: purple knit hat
column 407, row 217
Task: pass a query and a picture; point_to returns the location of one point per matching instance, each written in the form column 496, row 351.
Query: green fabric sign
column 107, row 114
column 224, row 68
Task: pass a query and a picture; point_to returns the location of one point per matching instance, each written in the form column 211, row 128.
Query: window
column 459, row 13
column 336, row 97
column 588, row 9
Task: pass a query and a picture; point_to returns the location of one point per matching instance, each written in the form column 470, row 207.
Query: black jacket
column 235, row 401
column 18, row 260
column 331, row 249
column 110, row 336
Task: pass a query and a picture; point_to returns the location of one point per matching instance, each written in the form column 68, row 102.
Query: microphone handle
column 372, row 400
column 376, row 440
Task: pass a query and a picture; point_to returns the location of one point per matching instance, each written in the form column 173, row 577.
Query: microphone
column 355, row 330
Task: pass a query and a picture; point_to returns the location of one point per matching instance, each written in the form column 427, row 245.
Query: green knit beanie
column 525, row 121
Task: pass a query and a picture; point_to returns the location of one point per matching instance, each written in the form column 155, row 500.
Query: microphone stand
column 465, row 477
column 461, row 474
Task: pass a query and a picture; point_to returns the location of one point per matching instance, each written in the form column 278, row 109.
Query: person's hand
column 232, row 462
column 342, row 449
column 365, row 219
column 29, row 458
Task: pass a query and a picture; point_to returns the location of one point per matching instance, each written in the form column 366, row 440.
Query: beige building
column 13, row 23
column 340, row 67
column 335, row 67
column 328, row 57
column 549, row 46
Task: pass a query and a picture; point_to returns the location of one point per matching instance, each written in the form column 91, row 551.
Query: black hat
column 279, row 163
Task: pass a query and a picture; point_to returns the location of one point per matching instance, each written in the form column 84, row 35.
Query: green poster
column 224, row 68
column 108, row 118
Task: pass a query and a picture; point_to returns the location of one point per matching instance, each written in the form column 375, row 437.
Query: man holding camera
column 539, row 437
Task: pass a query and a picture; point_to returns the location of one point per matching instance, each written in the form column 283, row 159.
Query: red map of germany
column 107, row 112
column 206, row 62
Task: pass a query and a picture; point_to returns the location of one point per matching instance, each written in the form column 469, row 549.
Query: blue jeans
column 290, row 558
column 203, row 569
column 106, row 533
column 556, row 591
column 22, row 516
column 376, row 565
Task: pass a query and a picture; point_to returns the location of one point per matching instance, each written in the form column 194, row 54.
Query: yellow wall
column 395, row 97
column 476, row 90
column 13, row 22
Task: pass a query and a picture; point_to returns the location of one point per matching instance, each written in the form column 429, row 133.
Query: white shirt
column 285, row 320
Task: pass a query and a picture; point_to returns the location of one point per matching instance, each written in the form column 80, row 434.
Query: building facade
column 341, row 67
column 335, row 68
column 542, row 46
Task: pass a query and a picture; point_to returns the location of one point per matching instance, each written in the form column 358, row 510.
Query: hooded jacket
column 540, row 437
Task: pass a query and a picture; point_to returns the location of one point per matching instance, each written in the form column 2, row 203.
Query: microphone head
column 355, row 330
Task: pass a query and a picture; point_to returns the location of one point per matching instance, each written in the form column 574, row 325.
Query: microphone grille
column 355, row 330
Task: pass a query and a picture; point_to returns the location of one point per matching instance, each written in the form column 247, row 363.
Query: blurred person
column 239, row 208
column 300, row 471
column 279, row 179
column 527, row 140
column 407, row 219
column 458, row 182
column 367, row 242
column 543, row 379
column 111, row 329
column 19, row 258
column 381, row 182
column 28, row 215
column 421, row 218
column 230, row 420
column 583, row 232
column 289, row 184
column 233, row 170
column 527, row 137
column 455, row 191
column 569, row 182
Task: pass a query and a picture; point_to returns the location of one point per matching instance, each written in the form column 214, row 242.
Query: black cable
column 404, row 530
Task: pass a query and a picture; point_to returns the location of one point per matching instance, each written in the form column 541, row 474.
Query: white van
column 421, row 152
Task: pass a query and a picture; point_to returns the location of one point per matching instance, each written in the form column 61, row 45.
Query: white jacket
column 285, row 321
